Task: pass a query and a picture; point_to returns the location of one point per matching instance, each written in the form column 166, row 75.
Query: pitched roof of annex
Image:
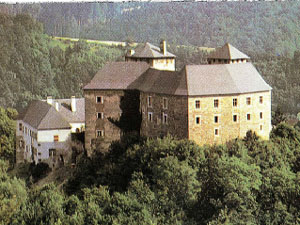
column 42, row 116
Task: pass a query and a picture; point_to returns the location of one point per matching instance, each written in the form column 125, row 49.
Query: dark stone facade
column 176, row 112
column 121, row 115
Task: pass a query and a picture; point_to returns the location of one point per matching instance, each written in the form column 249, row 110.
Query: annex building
column 44, row 129
column 210, row 103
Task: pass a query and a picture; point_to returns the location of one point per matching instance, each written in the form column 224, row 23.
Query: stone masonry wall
column 204, row 133
column 176, row 111
column 110, row 107
column 121, row 114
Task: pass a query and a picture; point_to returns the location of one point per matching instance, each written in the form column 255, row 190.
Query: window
column 248, row 116
column 260, row 115
column 261, row 99
column 165, row 118
column 40, row 160
column 198, row 120
column 261, row 127
column 56, row 138
column 197, row 104
column 216, row 103
column 52, row 152
column 149, row 101
column 234, row 118
column 99, row 99
column 100, row 115
column 150, row 116
column 100, row 133
column 20, row 127
column 39, row 153
column 248, row 101
column 216, row 119
column 165, row 103
column 234, row 102
column 216, row 131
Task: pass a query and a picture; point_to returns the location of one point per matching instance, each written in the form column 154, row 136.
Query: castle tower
column 227, row 55
column 157, row 57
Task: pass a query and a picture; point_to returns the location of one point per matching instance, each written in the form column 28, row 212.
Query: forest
column 140, row 180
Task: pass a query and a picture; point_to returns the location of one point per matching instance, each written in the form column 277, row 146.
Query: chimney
column 131, row 52
column 57, row 106
column 163, row 47
column 73, row 104
column 49, row 100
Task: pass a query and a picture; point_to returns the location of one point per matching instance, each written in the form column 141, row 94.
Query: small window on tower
column 260, row 115
column 20, row 127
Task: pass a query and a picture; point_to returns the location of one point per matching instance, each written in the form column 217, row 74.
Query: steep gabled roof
column 42, row 116
column 148, row 50
column 227, row 52
column 117, row 75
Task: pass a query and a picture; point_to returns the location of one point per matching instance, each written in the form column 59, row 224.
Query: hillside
column 271, row 27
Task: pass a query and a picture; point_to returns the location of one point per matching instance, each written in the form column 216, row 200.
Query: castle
column 208, row 104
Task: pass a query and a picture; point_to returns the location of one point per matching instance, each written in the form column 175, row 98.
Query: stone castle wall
column 176, row 111
column 204, row 133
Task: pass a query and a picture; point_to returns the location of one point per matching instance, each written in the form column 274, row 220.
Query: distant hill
column 271, row 27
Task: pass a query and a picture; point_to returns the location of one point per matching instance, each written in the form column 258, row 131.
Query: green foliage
column 7, row 134
column 32, row 67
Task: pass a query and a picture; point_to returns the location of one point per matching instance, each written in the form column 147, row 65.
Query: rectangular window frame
column 165, row 103
column 216, row 131
column 150, row 116
column 99, row 133
column 198, row 120
column 236, row 119
column 248, row 101
column 216, row 119
column 216, row 103
column 164, row 118
column 234, row 102
column 150, row 101
column 261, row 116
column 261, row 99
column 56, row 138
column 248, row 116
column 100, row 115
column 99, row 99
column 197, row 104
